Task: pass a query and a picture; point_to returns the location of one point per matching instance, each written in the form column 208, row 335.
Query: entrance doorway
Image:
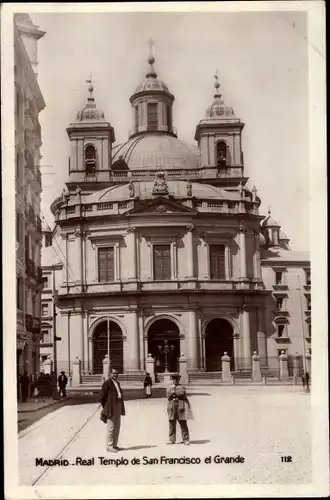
column 164, row 345
column 218, row 340
column 100, row 346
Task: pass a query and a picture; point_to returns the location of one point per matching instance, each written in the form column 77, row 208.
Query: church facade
column 157, row 246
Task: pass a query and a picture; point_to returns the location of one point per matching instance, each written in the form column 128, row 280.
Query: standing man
column 62, row 382
column 113, row 408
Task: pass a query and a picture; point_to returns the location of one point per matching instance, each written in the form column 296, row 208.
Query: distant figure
column 113, row 408
column 62, row 383
column 147, row 386
column 53, row 381
column 25, row 382
column 178, row 410
column 305, row 381
column 41, row 385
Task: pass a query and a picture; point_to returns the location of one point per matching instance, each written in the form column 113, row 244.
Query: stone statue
column 241, row 189
column 160, row 185
column 254, row 193
column 131, row 189
column 189, row 188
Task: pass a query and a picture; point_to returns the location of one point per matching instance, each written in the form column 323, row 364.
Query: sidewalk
column 36, row 404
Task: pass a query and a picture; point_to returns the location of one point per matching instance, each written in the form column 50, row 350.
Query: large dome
column 157, row 152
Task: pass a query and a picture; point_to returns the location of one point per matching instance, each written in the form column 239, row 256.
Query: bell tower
column 91, row 139
column 219, row 136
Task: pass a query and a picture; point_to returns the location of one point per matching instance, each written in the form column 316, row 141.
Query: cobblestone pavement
column 261, row 424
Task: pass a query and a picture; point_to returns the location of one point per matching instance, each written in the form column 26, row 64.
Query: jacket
column 109, row 398
column 178, row 406
column 62, row 380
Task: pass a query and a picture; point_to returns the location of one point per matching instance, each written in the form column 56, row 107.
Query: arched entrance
column 100, row 346
column 218, row 339
column 164, row 345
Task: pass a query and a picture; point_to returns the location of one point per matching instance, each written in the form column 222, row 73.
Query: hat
column 175, row 376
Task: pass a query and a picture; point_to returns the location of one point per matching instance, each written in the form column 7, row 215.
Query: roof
column 281, row 255
column 175, row 188
column 49, row 257
column 157, row 152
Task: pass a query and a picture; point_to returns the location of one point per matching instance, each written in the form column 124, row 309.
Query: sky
column 262, row 63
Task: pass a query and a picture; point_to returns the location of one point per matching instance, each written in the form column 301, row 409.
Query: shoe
column 170, row 442
column 112, row 450
column 118, row 448
column 187, row 443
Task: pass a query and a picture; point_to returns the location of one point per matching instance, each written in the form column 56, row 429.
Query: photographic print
column 162, row 200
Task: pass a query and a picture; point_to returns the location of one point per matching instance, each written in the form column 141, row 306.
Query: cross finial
column 216, row 83
column 151, row 43
column 90, row 82
column 269, row 210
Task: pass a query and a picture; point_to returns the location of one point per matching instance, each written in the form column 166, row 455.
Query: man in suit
column 62, row 383
column 113, row 408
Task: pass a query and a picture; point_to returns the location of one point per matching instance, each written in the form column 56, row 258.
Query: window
column 278, row 277
column 90, row 159
column 45, row 282
column 162, row 262
column 45, row 335
column 309, row 330
column 217, row 260
column 136, row 110
column 169, row 118
column 279, row 303
column 106, row 264
column 280, row 330
column 44, row 309
column 152, row 115
column 20, row 293
column 221, row 154
column 308, row 276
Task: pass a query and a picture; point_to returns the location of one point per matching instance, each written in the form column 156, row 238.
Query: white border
column 318, row 227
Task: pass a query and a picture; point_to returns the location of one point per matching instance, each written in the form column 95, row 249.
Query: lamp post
column 166, row 351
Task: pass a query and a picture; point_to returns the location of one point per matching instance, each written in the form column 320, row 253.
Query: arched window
column 90, row 159
column 221, row 154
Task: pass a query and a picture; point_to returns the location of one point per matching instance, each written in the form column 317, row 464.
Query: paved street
column 260, row 424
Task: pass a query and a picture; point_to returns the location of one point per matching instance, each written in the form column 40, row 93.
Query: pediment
column 158, row 206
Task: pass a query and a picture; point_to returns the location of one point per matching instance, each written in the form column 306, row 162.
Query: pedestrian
column 62, row 383
column 25, row 383
column 112, row 402
column 53, row 380
column 306, row 382
column 147, row 386
column 178, row 410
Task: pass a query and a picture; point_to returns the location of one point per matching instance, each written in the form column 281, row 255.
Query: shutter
column 218, row 262
column 106, row 264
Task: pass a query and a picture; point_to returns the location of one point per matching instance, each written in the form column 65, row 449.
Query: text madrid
column 162, row 460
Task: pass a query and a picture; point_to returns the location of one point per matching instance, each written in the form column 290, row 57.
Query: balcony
column 280, row 287
column 281, row 312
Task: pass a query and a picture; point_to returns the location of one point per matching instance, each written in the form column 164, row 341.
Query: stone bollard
column 296, row 367
column 264, row 380
column 183, row 369
column 284, row 372
column 76, row 373
column 150, row 367
column 256, row 373
column 48, row 366
column 225, row 374
column 106, row 368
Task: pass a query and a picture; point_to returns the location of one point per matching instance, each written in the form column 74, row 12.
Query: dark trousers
column 62, row 391
column 184, row 430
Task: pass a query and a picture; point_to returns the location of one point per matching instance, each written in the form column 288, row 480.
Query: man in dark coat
column 62, row 383
column 113, row 408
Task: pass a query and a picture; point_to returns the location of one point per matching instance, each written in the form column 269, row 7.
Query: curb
column 42, row 407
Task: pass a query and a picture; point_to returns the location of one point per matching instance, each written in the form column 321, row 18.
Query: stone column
column 284, row 372
column 242, row 251
column 131, row 244
column 207, row 260
column 76, row 373
column 190, row 252
column 237, row 350
column 174, row 260
column 132, row 345
column 296, row 366
column 117, row 262
column 261, row 337
column 256, row 373
column 183, row 370
column 246, row 361
column 78, row 255
column 225, row 371
column 65, row 269
column 151, row 261
column 82, row 343
column 192, row 338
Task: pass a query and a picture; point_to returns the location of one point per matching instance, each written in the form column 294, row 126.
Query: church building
column 157, row 246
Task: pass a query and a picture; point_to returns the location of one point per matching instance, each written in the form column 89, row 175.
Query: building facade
column 28, row 104
column 159, row 241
